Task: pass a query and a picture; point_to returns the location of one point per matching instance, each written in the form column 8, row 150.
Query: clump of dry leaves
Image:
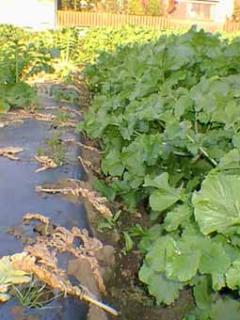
column 89, row 167
column 46, row 163
column 10, row 152
column 78, row 189
column 22, row 114
column 40, row 260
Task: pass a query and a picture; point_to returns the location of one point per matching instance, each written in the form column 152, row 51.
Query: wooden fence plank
column 95, row 19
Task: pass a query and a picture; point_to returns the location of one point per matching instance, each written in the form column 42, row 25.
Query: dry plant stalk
column 28, row 217
column 10, row 152
column 71, row 110
column 62, row 240
column 40, row 259
column 22, row 114
column 46, row 162
column 99, row 203
column 71, row 124
column 54, row 280
column 87, row 165
column 82, row 145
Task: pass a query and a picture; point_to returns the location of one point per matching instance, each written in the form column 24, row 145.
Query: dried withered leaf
column 46, row 163
column 56, row 279
column 85, row 146
column 22, row 114
column 40, row 260
column 62, row 240
column 29, row 264
column 10, row 152
column 90, row 244
column 28, row 217
column 43, row 254
column 99, row 203
column 88, row 166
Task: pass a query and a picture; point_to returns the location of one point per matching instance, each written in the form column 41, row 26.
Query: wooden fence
column 92, row 19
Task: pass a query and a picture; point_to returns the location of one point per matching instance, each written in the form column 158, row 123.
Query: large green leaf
column 183, row 264
column 159, row 252
column 177, row 217
column 164, row 290
column 226, row 309
column 214, row 259
column 165, row 196
column 112, row 163
column 217, row 204
column 230, row 160
column 202, row 293
column 233, row 275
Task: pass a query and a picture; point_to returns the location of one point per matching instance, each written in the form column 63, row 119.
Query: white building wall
column 223, row 10
column 219, row 9
column 35, row 14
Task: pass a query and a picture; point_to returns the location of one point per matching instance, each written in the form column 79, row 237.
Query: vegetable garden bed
column 164, row 123
column 166, row 115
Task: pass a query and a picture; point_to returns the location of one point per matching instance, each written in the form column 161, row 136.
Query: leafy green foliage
column 165, row 196
column 217, row 204
column 21, row 57
column 106, row 39
column 167, row 114
column 24, row 54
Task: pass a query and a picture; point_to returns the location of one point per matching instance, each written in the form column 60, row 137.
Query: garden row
column 167, row 115
column 166, row 112
column 25, row 54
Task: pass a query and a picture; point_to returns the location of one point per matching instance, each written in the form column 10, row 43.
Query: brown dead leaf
column 41, row 252
column 40, row 259
column 85, row 146
column 28, row 217
column 46, row 162
column 55, row 280
column 62, row 240
column 10, row 152
column 88, row 166
column 99, row 203
column 22, row 114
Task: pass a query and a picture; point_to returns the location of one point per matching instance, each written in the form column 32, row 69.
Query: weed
column 61, row 117
column 56, row 149
column 40, row 151
column 65, row 95
column 109, row 223
column 129, row 243
column 35, row 295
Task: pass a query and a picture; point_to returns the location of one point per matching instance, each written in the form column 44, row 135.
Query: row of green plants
column 21, row 57
column 167, row 116
column 166, row 113
column 25, row 54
